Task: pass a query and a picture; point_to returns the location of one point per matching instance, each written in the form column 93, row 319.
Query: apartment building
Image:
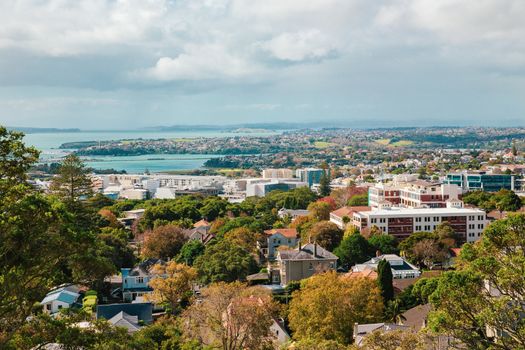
column 277, row 173
column 310, row 175
column 416, row 194
column 468, row 223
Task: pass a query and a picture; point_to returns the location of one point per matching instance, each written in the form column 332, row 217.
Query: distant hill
column 29, row 130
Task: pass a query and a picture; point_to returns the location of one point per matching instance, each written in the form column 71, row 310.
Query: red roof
column 348, row 211
column 201, row 223
column 286, row 232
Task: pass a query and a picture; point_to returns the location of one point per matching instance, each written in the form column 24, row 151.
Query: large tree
column 486, row 295
column 384, row 280
column 324, row 233
column 232, row 317
column 163, row 242
column 354, row 249
column 327, row 306
column 174, row 284
column 224, row 261
column 73, row 181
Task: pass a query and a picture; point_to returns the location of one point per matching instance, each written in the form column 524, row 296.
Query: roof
column 286, row 232
column 62, row 295
column 416, row 316
column 366, row 273
column 310, row 251
column 455, row 251
column 122, row 319
column 143, row 311
column 143, row 269
column 397, row 212
column 347, row 211
column 201, row 223
column 258, row 276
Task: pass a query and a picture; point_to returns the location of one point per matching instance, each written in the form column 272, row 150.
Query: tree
column 506, row 200
column 174, row 284
column 384, row 280
column 164, row 242
column 399, row 339
column 324, row 184
column 319, row 211
column 310, row 344
column 190, row 251
column 41, row 246
column 327, row 306
column 119, row 252
column 487, row 291
column 428, row 252
column 358, row 200
column 244, row 238
column 224, row 261
column 72, row 182
column 232, row 316
column 326, row 234
column 386, row 244
column 354, row 249
column 213, row 207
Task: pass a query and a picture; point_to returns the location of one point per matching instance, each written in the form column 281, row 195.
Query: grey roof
column 122, row 319
column 62, row 295
column 144, row 267
column 310, row 251
column 143, row 311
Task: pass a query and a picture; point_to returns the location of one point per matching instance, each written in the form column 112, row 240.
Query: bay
column 49, row 143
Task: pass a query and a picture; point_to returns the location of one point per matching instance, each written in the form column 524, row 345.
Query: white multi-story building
column 402, row 222
column 277, row 173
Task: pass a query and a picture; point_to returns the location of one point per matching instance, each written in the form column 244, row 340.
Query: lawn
column 323, row 144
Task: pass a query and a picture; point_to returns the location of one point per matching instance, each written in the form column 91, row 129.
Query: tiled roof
column 348, row 211
column 201, row 223
column 286, row 232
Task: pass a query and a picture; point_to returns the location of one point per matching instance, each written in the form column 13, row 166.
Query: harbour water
column 49, row 143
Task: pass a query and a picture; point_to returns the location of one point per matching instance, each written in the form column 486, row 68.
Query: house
column 123, row 314
column 342, row 217
column 61, row 298
column 300, row 263
column 401, row 268
column 135, row 281
column 130, row 216
column 200, row 232
column 416, row 317
column 122, row 319
column 361, row 331
column 292, row 213
column 275, row 238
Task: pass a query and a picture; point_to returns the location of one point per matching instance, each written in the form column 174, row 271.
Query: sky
column 120, row 64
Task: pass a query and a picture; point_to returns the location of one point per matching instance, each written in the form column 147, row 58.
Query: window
column 59, row 306
column 373, row 220
column 48, row 306
column 310, row 266
column 139, row 280
column 418, row 219
column 436, row 219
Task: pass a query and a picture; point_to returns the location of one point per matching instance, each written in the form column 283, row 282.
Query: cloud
column 201, row 63
column 300, row 46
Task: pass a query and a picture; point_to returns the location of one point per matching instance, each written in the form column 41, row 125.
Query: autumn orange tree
column 164, row 242
column 174, row 284
column 327, row 306
column 232, row 316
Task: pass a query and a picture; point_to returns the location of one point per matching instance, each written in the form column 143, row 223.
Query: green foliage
column 213, row 207
column 324, row 185
column 184, row 207
column 408, row 244
column 386, row 244
column 384, row 280
column 358, row 200
column 354, row 249
column 423, row 288
column 326, row 234
column 503, row 200
column 72, row 182
column 224, row 261
column 119, row 252
column 190, row 251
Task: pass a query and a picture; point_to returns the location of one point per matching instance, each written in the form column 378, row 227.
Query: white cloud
column 300, row 46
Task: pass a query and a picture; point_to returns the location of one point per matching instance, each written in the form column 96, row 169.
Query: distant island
column 30, row 130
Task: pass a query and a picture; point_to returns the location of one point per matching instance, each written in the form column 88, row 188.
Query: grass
column 400, row 143
column 383, row 142
column 323, row 144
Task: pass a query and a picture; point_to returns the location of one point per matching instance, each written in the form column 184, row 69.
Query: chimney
column 315, row 249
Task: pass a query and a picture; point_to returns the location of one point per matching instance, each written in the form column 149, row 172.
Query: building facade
column 484, row 181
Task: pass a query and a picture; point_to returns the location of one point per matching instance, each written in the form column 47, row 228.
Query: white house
column 60, row 298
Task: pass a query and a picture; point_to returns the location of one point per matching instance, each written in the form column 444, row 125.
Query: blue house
column 135, row 281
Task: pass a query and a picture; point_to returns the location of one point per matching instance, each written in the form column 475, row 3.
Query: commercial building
column 483, row 181
column 237, row 190
column 401, row 269
column 402, row 222
column 416, row 194
column 310, row 175
column 277, row 173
